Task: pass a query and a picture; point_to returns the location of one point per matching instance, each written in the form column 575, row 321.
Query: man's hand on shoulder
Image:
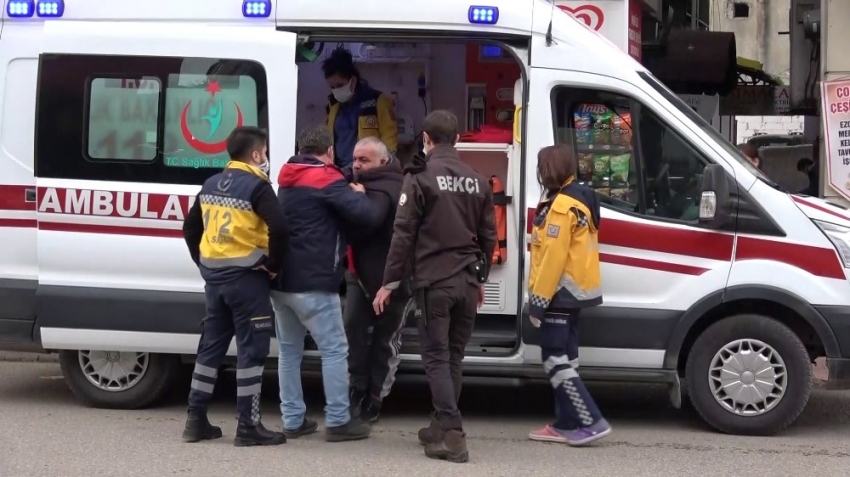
column 357, row 187
column 272, row 275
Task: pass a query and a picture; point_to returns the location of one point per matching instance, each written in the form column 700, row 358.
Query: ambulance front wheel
column 119, row 379
column 749, row 374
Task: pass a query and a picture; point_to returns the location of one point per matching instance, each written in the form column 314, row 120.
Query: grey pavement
column 44, row 431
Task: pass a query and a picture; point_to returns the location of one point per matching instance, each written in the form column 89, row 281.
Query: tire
column 769, row 417
column 148, row 386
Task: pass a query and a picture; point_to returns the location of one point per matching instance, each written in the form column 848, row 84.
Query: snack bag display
column 585, row 167
column 620, row 166
column 621, row 125
column 602, row 126
column 601, row 170
column 621, row 193
column 583, row 121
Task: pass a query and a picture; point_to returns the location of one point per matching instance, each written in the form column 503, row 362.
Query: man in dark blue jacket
column 316, row 197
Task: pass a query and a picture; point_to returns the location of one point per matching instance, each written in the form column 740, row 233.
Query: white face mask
column 265, row 167
column 343, row 93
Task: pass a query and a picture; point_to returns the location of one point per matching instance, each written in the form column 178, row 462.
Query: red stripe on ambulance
column 13, row 197
column 656, row 238
column 818, row 261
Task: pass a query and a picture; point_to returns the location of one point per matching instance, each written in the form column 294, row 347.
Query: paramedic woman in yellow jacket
column 355, row 110
column 565, row 278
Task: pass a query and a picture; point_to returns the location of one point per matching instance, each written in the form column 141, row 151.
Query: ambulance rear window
column 146, row 119
column 123, row 118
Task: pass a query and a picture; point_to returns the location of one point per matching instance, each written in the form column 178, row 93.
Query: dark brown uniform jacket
column 444, row 218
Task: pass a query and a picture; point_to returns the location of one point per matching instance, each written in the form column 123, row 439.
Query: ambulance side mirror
column 715, row 205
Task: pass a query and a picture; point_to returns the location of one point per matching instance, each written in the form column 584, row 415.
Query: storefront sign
column 707, row 107
column 618, row 21
column 749, row 100
column 635, row 27
column 591, row 15
column 836, row 125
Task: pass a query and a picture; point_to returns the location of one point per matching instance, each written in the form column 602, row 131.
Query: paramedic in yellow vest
column 564, row 278
column 355, row 110
column 236, row 233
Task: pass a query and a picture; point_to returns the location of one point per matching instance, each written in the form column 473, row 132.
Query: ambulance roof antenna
column 549, row 41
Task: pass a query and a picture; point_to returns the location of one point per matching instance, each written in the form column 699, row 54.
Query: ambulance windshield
column 702, row 123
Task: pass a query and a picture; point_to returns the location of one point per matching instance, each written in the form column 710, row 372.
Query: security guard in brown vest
column 445, row 221
column 236, row 233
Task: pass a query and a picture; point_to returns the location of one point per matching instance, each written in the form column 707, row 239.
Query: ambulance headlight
column 483, row 15
column 50, row 8
column 256, row 8
column 840, row 237
column 20, row 8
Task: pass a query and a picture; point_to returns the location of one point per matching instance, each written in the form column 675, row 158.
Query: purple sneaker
column 586, row 435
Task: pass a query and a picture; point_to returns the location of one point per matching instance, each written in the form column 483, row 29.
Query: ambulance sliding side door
column 131, row 119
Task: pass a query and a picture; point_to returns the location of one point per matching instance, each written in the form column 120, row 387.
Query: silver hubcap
column 113, row 371
column 747, row 377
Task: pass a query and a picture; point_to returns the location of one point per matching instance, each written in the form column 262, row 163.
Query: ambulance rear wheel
column 749, row 374
column 119, row 379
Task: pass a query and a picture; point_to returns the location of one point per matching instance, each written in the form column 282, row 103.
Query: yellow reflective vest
column 234, row 235
column 376, row 118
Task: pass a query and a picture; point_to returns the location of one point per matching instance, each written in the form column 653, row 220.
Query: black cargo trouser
column 372, row 365
column 241, row 308
column 446, row 314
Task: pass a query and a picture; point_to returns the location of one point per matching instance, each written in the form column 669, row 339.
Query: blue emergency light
column 483, row 15
column 256, row 8
column 20, row 8
column 50, row 8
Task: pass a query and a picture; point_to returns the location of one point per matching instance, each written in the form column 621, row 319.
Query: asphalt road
column 44, row 431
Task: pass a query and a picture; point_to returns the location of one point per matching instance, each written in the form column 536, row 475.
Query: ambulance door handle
column 29, row 195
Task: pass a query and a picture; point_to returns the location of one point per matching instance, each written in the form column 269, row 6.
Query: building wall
column 757, row 35
column 757, row 38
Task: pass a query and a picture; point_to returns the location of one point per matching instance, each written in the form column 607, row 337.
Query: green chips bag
column 620, row 166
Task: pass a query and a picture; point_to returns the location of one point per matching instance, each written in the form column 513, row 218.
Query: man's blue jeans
column 321, row 314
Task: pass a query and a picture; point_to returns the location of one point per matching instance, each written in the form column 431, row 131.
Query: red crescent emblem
column 197, row 144
column 590, row 15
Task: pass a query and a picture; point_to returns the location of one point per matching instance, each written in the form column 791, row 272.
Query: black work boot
column 257, row 435
column 354, row 430
column 371, row 410
column 355, row 399
column 307, row 427
column 198, row 428
column 431, row 434
column 451, row 448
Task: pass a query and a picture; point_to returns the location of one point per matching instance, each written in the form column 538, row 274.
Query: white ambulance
column 113, row 113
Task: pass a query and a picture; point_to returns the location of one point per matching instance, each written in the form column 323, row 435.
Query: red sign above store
column 618, row 21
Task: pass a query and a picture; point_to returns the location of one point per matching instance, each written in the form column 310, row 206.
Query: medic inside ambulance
column 111, row 123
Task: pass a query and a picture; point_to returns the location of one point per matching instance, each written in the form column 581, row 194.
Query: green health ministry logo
column 204, row 144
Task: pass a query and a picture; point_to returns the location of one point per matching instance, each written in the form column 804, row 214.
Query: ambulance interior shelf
column 491, row 159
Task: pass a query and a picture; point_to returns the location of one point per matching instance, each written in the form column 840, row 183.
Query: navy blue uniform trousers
column 238, row 308
column 574, row 408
